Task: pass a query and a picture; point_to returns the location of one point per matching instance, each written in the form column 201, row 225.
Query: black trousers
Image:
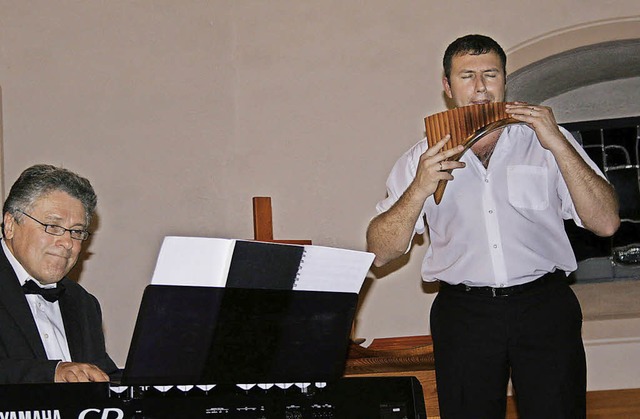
column 533, row 336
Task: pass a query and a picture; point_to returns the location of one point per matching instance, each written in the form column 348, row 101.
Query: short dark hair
column 41, row 179
column 474, row 45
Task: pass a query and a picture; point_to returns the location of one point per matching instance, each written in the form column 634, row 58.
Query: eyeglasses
column 57, row 230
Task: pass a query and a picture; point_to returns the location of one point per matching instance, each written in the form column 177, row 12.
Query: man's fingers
column 75, row 372
column 437, row 147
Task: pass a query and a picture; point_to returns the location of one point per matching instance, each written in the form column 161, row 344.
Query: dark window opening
column 614, row 145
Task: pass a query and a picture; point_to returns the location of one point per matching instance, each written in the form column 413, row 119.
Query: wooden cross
column 263, row 222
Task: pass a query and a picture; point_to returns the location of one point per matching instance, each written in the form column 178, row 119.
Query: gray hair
column 42, row 179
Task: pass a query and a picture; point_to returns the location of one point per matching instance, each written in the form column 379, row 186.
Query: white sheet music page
column 193, row 261
column 332, row 269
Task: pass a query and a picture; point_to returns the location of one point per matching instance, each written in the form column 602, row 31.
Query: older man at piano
column 50, row 327
column 497, row 246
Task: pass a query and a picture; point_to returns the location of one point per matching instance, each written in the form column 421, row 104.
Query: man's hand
column 434, row 166
column 540, row 119
column 77, row 372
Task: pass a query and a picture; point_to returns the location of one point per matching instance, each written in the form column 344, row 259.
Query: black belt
column 504, row 291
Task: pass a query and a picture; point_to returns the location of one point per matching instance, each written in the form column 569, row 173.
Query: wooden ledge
column 413, row 353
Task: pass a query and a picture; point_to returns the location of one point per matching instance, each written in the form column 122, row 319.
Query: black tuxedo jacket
column 22, row 355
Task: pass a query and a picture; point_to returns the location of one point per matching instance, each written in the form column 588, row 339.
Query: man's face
column 46, row 257
column 475, row 79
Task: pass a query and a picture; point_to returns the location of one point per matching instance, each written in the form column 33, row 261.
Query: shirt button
column 495, row 246
column 486, row 181
column 490, row 211
column 46, row 336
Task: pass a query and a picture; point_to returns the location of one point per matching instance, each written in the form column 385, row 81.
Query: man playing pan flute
column 497, row 245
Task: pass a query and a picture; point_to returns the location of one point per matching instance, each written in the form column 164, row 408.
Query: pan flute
column 466, row 125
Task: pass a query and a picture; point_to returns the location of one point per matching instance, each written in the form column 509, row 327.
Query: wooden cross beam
column 263, row 222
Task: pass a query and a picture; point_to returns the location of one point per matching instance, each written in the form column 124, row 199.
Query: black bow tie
column 49, row 294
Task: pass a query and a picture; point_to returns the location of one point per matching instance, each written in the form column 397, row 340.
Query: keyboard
column 347, row 398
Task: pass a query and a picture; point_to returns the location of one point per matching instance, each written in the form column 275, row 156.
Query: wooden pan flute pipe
column 467, row 125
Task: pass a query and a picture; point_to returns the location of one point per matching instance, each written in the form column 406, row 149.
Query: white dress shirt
column 499, row 226
column 46, row 314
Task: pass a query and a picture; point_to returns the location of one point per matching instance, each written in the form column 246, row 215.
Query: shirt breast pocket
column 528, row 187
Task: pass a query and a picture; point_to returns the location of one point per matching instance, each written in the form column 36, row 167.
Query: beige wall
column 180, row 112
